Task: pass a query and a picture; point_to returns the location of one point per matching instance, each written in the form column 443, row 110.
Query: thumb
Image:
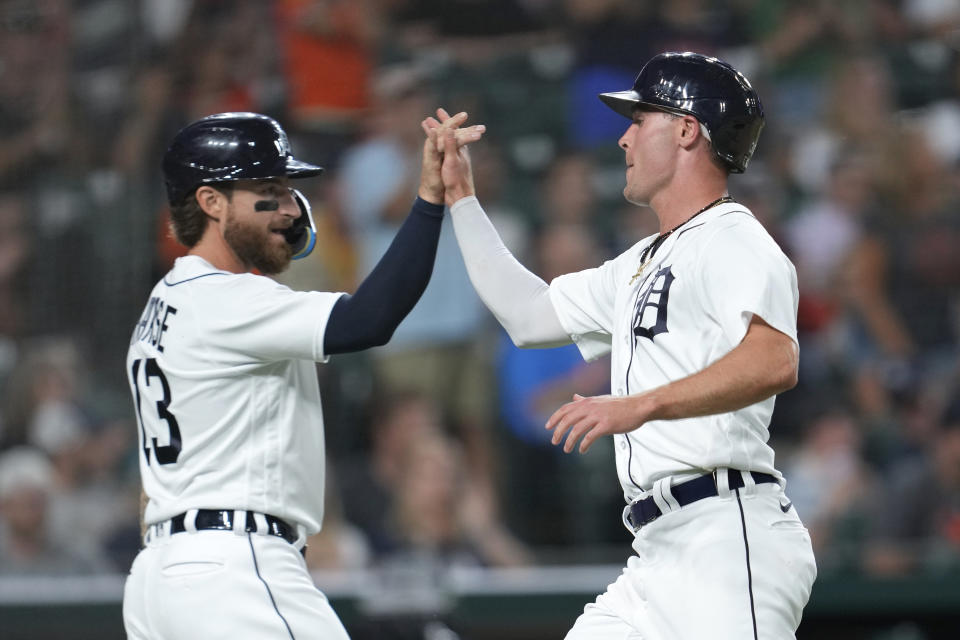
column 577, row 396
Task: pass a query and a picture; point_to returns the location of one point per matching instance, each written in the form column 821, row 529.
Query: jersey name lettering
column 658, row 306
column 153, row 323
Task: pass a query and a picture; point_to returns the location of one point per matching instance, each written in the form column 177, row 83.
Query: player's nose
column 288, row 206
column 623, row 142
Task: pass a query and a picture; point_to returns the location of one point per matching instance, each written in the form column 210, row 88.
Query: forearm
column 370, row 316
column 518, row 298
column 762, row 365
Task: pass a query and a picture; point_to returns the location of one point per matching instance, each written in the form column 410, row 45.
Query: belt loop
column 260, row 521
column 663, row 496
column 749, row 484
column 239, row 522
column 190, row 520
column 626, row 519
column 301, row 540
column 722, row 478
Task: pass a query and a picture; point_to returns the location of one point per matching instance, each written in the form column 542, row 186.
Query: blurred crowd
column 436, row 449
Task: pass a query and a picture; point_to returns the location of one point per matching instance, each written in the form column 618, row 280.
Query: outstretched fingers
column 574, row 421
column 464, row 135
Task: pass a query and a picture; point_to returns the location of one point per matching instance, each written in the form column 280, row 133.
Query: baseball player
column 222, row 370
column 700, row 322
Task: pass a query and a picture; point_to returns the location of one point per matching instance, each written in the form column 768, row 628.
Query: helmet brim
column 298, row 169
column 623, row 102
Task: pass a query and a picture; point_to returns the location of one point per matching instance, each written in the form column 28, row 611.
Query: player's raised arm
column 518, row 298
column 369, row 317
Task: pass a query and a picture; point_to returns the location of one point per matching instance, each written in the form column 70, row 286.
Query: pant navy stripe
column 746, row 547
column 269, row 593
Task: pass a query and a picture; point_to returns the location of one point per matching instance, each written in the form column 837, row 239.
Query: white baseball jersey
column 222, row 371
column 691, row 305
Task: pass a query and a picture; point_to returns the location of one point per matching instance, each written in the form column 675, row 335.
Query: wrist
column 456, row 194
column 647, row 406
column 651, row 405
column 428, row 208
column 433, row 196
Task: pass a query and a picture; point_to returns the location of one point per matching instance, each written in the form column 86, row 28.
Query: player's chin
column 634, row 197
column 275, row 258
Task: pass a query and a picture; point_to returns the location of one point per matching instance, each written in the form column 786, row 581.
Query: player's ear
column 211, row 201
column 688, row 131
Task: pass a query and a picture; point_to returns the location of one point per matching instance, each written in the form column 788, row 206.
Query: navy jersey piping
column 626, row 383
column 746, row 548
column 202, row 275
column 256, row 568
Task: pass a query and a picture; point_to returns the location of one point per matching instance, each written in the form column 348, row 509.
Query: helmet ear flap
column 302, row 235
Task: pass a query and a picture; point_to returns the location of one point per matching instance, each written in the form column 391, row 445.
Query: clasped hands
column 446, row 174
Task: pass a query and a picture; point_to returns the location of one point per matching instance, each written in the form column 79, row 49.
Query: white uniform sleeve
column 267, row 321
column 517, row 297
column 585, row 302
column 744, row 273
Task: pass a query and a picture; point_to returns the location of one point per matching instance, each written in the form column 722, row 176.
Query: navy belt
column 643, row 512
column 223, row 519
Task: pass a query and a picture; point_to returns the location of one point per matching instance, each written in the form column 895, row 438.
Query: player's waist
column 665, row 496
column 237, row 521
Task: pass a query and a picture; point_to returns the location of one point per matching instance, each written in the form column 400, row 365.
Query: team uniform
column 222, row 371
column 691, row 305
column 720, row 551
column 223, row 376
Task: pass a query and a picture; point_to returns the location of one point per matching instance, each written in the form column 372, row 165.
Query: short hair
column 188, row 220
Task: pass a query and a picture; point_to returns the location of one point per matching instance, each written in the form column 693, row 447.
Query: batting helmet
column 229, row 146
column 225, row 147
column 709, row 89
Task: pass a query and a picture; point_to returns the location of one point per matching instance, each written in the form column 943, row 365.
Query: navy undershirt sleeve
column 369, row 317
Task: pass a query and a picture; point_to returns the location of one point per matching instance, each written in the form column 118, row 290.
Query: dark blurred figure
column 34, row 88
column 367, row 482
column 832, row 486
column 819, row 238
column 15, row 248
column 903, row 276
column 918, row 520
column 413, row 496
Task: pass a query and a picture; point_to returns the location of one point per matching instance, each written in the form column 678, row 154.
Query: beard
column 255, row 246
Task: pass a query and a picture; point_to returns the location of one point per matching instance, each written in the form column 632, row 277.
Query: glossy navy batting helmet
column 225, row 147
column 229, row 146
column 709, row 89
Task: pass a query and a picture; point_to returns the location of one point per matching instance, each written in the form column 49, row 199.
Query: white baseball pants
column 218, row 584
column 734, row 567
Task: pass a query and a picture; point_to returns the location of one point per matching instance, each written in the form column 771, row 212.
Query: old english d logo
column 658, row 288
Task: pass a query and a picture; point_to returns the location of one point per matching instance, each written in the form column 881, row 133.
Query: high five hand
column 450, row 142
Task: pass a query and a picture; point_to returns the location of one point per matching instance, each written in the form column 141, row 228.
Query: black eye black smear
column 266, row 205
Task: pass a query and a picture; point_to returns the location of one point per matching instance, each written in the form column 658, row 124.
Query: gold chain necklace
column 647, row 256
